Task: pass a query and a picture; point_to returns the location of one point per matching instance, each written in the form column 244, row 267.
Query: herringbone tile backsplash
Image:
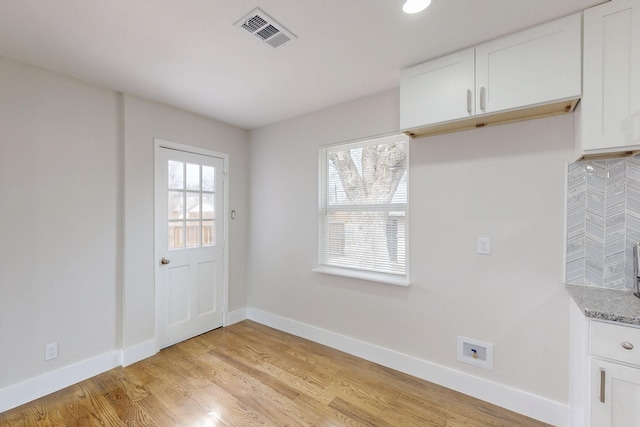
column 603, row 222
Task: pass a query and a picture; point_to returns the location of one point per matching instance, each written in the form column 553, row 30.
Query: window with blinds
column 363, row 209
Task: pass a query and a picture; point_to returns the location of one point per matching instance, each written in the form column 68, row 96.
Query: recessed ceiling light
column 415, row 6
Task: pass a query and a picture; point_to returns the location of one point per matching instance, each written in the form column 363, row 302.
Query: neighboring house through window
column 363, row 209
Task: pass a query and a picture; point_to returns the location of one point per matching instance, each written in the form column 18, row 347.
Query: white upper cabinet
column 438, row 90
column 534, row 66
column 532, row 73
column 611, row 88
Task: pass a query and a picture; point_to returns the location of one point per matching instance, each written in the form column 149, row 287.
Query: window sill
column 390, row 279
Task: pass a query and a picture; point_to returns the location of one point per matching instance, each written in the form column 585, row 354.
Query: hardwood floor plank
column 300, row 379
column 112, row 387
column 126, row 380
column 260, row 396
column 327, row 416
column 177, row 395
column 250, row 375
column 212, row 398
column 98, row 407
column 361, row 396
column 270, row 381
column 360, row 414
column 196, row 395
column 300, row 385
column 276, row 357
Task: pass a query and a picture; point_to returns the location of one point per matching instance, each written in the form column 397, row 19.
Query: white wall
column 76, row 225
column 59, row 220
column 144, row 121
column 504, row 182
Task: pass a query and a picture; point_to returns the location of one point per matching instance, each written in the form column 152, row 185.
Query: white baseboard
column 525, row 403
column 235, row 316
column 35, row 388
column 138, row 352
column 38, row 387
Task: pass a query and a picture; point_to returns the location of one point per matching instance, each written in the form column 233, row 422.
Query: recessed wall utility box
column 474, row 352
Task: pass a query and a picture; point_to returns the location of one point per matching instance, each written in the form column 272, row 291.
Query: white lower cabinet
column 615, row 394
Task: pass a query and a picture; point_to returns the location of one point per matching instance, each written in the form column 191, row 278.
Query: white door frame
column 158, row 144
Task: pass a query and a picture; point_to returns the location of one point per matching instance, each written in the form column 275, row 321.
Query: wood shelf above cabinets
column 532, row 112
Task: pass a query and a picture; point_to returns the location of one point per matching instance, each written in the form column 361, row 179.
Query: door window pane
column 176, row 175
column 208, row 233
column 193, row 177
column 176, row 235
column 208, row 178
column 193, row 234
column 176, row 205
column 208, row 207
column 193, row 205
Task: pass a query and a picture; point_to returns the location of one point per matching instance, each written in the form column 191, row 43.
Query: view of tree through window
column 364, row 204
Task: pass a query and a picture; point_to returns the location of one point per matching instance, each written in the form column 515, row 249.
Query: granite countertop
column 606, row 304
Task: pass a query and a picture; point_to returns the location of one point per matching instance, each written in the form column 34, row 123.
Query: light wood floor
column 251, row 375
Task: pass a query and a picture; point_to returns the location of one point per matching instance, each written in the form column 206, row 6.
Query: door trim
column 161, row 143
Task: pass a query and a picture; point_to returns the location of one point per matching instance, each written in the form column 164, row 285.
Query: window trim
column 373, row 276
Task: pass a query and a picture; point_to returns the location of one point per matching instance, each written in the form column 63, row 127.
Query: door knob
column 165, row 261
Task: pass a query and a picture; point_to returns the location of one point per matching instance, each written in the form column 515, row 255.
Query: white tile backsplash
column 603, row 222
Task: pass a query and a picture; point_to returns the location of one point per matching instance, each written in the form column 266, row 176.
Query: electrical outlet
column 51, row 351
column 484, row 245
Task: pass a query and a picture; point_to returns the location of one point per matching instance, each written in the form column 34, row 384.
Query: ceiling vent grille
column 265, row 29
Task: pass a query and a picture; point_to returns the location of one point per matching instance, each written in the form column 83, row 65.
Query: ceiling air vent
column 265, row 28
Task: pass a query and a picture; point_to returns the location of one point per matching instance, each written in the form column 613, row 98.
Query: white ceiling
column 187, row 53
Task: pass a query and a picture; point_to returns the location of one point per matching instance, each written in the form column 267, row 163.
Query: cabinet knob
column 627, row 345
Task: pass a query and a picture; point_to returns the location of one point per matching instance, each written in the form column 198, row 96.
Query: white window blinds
column 363, row 205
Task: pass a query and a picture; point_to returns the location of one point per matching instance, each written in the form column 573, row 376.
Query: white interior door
column 189, row 198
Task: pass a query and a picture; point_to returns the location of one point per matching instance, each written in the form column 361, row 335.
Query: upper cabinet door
column 534, row 66
column 611, row 93
column 437, row 91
